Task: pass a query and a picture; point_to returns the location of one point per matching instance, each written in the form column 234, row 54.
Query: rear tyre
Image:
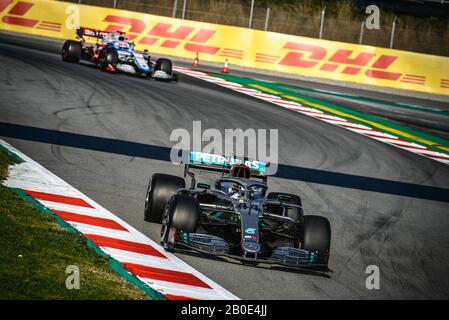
column 160, row 189
column 71, row 51
column 315, row 235
column 108, row 57
column 287, row 198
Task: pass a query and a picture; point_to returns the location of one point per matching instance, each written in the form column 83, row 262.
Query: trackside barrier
column 242, row 47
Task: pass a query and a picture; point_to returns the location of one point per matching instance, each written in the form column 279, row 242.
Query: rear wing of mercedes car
column 223, row 165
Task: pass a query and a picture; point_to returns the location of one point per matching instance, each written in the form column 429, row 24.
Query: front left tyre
column 181, row 215
column 71, row 51
column 160, row 189
column 184, row 213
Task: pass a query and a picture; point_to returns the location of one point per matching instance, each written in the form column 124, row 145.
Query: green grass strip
column 14, row 157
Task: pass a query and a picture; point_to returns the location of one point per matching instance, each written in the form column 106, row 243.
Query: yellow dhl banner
column 241, row 46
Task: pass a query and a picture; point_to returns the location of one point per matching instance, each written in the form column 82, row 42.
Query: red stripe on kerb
column 124, row 245
column 94, row 221
column 406, row 145
column 409, row 146
column 177, row 297
column 433, row 156
column 300, row 109
column 350, row 125
column 58, row 198
column 165, row 275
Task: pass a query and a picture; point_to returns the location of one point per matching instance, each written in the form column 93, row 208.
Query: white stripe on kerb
column 142, row 259
column 181, row 290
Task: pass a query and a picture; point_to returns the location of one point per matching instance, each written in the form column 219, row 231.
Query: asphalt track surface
column 106, row 134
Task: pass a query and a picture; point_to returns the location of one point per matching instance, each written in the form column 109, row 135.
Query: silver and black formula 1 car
column 235, row 217
column 112, row 52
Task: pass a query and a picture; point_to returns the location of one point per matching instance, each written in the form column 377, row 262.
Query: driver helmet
column 235, row 191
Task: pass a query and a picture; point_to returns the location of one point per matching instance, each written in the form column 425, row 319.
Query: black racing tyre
column 71, row 51
column 184, row 213
column 108, row 57
column 294, row 213
column 160, row 189
column 164, row 64
column 175, row 77
column 315, row 234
